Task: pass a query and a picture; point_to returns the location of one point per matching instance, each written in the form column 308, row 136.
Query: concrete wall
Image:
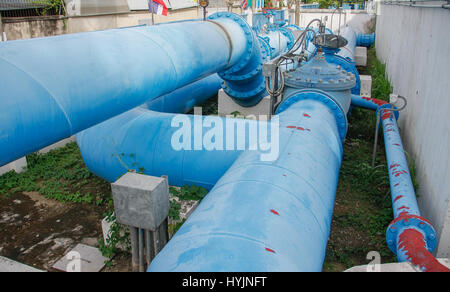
column 360, row 21
column 33, row 27
column 415, row 45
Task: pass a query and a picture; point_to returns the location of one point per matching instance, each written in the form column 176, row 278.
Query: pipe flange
column 323, row 97
column 242, row 95
column 249, row 34
column 265, row 49
column 347, row 65
column 245, row 76
column 401, row 223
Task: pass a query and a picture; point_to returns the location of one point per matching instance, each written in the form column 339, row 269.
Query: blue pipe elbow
column 142, row 141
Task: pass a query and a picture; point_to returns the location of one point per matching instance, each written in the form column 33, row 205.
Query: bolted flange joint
column 401, row 223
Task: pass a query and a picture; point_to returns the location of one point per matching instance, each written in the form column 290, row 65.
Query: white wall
column 415, row 45
column 360, row 21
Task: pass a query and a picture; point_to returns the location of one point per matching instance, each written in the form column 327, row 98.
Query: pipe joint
column 405, row 222
column 249, row 35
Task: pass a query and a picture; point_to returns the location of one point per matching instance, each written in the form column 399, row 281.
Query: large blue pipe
column 107, row 73
column 267, row 215
column 141, row 140
column 183, row 99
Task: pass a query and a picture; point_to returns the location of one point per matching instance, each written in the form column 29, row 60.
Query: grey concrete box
column 141, row 201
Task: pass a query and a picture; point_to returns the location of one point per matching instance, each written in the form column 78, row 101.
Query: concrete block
column 361, row 56
column 140, row 200
column 57, row 145
column 8, row 266
column 18, row 166
column 366, row 85
column 227, row 106
column 82, row 258
column 394, row 267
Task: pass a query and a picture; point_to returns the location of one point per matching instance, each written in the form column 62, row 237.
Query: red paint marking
column 300, row 128
column 386, row 115
column 403, row 207
column 407, row 217
column 291, row 127
column 397, row 184
column 397, row 144
column 397, row 198
column 413, row 244
column 389, row 130
column 306, row 115
column 270, row 250
column 274, row 212
column 394, row 165
column 309, row 130
column 403, row 214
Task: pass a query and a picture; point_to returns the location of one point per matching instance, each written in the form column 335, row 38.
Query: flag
column 244, row 4
column 159, row 7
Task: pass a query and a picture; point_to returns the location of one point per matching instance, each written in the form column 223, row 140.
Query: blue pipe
column 107, row 73
column 365, row 40
column 141, row 140
column 183, row 99
column 291, row 201
column 410, row 236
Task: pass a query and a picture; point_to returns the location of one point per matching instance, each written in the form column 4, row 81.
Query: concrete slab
column 18, row 166
column 57, row 145
column 8, row 266
column 361, row 56
column 227, row 106
column 394, row 267
column 82, row 258
column 366, row 85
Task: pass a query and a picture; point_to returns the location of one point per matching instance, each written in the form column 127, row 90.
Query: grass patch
column 59, row 175
column 363, row 207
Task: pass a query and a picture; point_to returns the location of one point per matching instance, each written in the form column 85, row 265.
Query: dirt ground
column 38, row 232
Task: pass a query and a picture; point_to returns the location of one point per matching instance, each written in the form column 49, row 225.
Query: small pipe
column 411, row 237
column 134, row 248
column 148, row 247
column 141, row 251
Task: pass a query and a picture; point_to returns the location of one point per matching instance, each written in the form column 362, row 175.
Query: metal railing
column 28, row 8
column 420, row 3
